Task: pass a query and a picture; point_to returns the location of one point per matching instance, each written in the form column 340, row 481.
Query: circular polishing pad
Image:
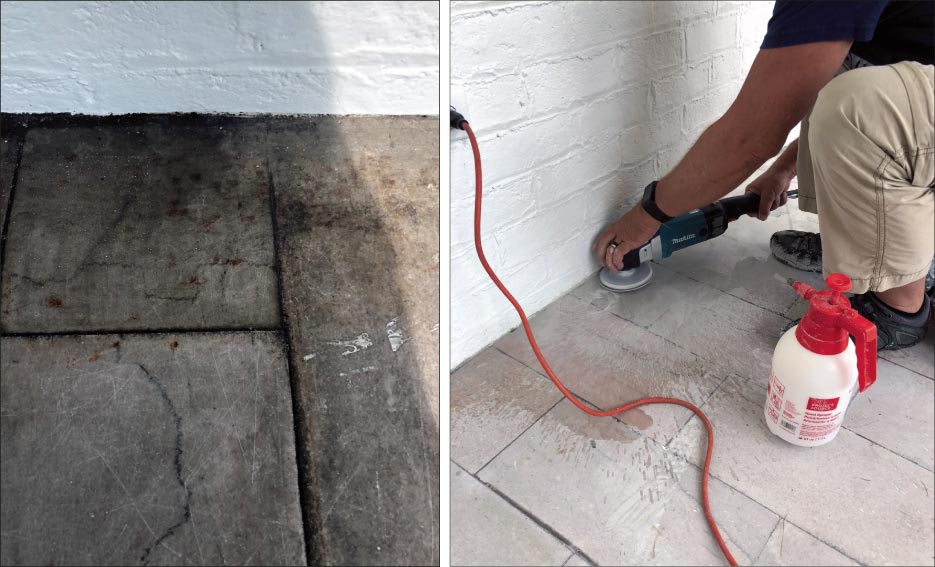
column 626, row 280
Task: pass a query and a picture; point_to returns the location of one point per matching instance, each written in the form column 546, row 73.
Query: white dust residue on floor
column 394, row 334
column 363, row 370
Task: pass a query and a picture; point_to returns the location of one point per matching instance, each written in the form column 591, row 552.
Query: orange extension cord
column 558, row 383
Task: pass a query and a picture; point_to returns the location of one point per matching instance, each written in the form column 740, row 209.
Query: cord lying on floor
column 458, row 121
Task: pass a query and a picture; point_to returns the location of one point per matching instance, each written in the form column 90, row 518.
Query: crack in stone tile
column 187, row 510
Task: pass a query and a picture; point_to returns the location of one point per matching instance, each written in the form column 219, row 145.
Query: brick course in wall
column 279, row 57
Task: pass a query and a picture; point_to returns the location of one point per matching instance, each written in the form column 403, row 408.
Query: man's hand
column 771, row 187
column 635, row 228
column 773, row 184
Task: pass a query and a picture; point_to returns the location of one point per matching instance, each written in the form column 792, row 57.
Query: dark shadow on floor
column 357, row 217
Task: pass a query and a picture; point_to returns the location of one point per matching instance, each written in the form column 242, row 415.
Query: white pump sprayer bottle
column 816, row 368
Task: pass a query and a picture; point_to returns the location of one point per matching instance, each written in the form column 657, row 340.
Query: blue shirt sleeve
column 797, row 22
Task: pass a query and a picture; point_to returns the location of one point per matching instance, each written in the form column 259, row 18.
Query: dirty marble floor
column 534, row 481
column 219, row 340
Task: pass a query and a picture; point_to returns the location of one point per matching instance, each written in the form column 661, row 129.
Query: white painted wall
column 577, row 106
column 280, row 57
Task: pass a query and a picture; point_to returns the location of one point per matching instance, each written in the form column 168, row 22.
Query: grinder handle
column 736, row 207
column 632, row 258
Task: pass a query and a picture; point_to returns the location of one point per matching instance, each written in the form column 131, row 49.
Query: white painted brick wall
column 281, row 57
column 577, row 106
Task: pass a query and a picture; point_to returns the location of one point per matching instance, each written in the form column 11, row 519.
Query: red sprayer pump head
column 829, row 320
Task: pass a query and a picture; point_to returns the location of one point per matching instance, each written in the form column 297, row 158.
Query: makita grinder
column 683, row 231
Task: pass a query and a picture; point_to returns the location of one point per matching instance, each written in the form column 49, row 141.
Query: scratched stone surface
column 790, row 545
column 141, row 223
column 489, row 531
column 620, row 497
column 705, row 328
column 866, row 501
column 493, row 399
column 147, row 449
column 610, row 361
column 357, row 213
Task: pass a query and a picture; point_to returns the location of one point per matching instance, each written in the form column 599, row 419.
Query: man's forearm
column 785, row 164
column 722, row 158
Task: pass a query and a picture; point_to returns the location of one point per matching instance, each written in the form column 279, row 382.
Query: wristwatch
column 649, row 204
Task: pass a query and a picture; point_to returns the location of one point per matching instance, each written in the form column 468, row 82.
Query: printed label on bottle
column 818, row 420
column 774, row 391
column 822, row 419
column 818, row 404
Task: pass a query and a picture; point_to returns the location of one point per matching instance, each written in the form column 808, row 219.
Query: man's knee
column 844, row 100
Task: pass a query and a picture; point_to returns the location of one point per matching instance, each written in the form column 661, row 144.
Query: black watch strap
column 649, row 204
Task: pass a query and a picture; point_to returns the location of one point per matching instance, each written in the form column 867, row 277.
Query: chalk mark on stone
column 357, row 344
column 363, row 370
column 395, row 335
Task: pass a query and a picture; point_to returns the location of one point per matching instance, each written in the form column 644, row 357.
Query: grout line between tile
column 521, row 433
column 701, row 406
column 155, row 331
column 745, row 378
column 748, row 378
column 739, row 491
column 872, row 442
column 299, row 419
column 650, row 439
column 570, row 547
column 756, row 561
column 615, row 417
column 865, row 438
column 11, row 196
column 781, row 517
column 635, row 430
column 907, row 368
column 665, row 446
column 747, row 301
column 538, row 521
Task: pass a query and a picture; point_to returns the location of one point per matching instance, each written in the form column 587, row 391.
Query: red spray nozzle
column 828, row 322
column 803, row 289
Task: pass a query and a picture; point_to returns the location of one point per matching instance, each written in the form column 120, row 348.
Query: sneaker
column 895, row 329
column 931, row 294
column 801, row 250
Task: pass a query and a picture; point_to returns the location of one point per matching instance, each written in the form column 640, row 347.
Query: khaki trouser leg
column 803, row 166
column 866, row 165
